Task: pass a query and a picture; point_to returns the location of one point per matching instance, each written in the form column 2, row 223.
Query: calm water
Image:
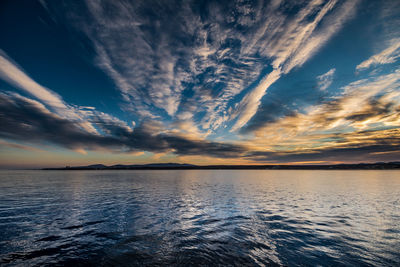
column 189, row 217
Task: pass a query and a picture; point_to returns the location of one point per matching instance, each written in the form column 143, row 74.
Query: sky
column 201, row 82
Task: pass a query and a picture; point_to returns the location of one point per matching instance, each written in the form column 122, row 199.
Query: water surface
column 200, row 217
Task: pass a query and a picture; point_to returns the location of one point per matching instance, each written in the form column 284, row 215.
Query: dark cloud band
column 26, row 120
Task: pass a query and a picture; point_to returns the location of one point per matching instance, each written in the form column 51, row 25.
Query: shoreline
column 360, row 166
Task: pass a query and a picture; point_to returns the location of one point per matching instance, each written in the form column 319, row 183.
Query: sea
column 200, row 218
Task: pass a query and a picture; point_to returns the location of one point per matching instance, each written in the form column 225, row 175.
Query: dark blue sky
column 199, row 81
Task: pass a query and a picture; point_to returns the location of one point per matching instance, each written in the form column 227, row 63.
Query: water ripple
column 200, row 218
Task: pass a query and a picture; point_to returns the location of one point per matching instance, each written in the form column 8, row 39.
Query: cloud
column 325, row 80
column 249, row 104
column 193, row 47
column 85, row 117
column 173, row 60
column 27, row 120
column 19, row 146
column 10, row 72
column 384, row 148
column 13, row 74
column 321, row 134
column 190, row 69
column 366, row 114
column 292, row 43
column 387, row 56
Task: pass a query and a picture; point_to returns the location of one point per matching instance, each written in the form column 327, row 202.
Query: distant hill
column 184, row 166
column 151, row 166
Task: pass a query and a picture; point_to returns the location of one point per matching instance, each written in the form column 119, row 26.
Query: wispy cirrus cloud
column 195, row 60
column 13, row 74
column 27, row 120
column 19, row 146
column 387, row 56
column 86, row 118
column 295, row 43
column 325, row 80
column 366, row 113
column 364, row 120
column 194, row 50
column 50, row 119
column 368, row 146
column 192, row 73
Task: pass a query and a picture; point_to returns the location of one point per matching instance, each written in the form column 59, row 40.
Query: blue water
column 200, row 217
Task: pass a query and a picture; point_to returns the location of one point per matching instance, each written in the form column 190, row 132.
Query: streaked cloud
column 207, row 81
column 249, row 105
column 293, row 42
column 32, row 122
column 389, row 55
column 367, row 113
column 197, row 61
column 325, row 80
column 13, row 74
column 19, row 146
column 10, row 72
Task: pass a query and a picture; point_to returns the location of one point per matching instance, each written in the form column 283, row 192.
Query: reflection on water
column 189, row 217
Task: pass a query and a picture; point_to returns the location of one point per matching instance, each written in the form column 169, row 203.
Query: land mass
column 178, row 166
